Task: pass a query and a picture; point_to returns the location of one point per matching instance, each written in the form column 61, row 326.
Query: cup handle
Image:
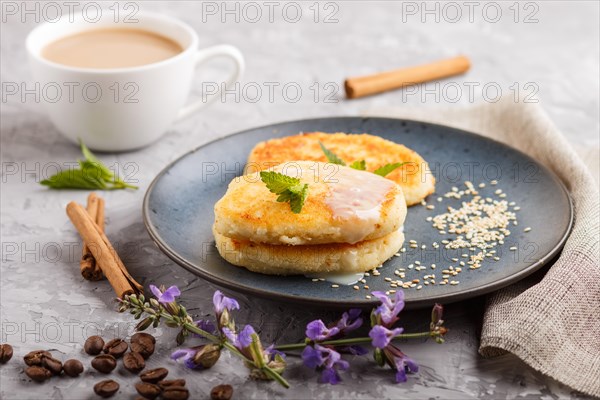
column 223, row 50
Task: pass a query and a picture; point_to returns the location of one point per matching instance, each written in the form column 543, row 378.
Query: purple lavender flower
column 272, row 352
column 165, row 296
column 399, row 362
column 389, row 309
column 199, row 357
column 326, row 360
column 382, row 336
column 206, row 326
column 316, row 330
column 350, row 321
column 240, row 340
column 354, row 349
column 222, row 302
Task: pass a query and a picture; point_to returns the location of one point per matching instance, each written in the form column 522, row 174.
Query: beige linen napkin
column 554, row 324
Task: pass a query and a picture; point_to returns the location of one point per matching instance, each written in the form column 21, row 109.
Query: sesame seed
column 355, row 287
column 403, row 250
column 513, row 248
column 419, row 287
column 454, row 282
column 335, row 286
column 482, row 185
column 388, row 279
column 439, row 199
column 497, row 258
column 430, row 207
column 423, row 247
column 315, row 279
column 417, row 262
column 494, row 182
column 498, row 191
column 366, row 287
column 527, row 229
column 367, row 297
column 517, row 208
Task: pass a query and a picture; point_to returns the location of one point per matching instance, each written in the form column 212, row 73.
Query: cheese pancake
column 414, row 177
column 343, row 205
column 337, row 258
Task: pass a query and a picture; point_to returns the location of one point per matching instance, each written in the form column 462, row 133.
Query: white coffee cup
column 122, row 108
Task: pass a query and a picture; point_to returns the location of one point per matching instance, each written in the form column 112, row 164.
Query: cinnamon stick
column 102, row 250
column 371, row 84
column 89, row 269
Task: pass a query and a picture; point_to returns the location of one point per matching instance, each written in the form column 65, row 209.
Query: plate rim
column 487, row 288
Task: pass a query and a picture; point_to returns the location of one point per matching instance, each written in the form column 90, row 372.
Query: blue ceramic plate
column 178, row 213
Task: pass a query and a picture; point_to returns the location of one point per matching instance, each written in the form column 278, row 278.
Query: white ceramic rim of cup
column 49, row 32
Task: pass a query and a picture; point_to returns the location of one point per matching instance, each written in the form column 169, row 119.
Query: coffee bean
column 221, row 392
column 35, row 357
column 134, row 362
column 52, row 364
column 106, row 388
column 6, row 353
column 73, row 367
column 116, row 347
column 171, row 383
column 142, row 335
column 148, row 390
column 144, row 346
column 175, row 393
column 154, row 375
column 93, row 345
column 104, row 363
column 37, row 373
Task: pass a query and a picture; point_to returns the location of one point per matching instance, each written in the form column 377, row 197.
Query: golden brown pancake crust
column 415, row 178
column 249, row 211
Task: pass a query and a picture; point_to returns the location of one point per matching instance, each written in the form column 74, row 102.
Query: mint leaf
column 360, row 165
column 277, row 182
column 287, row 188
column 73, row 179
column 91, row 158
column 331, row 156
column 92, row 174
column 298, row 199
column 387, row 168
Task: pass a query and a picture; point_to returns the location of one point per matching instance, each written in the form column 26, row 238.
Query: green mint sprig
column 360, row 165
column 287, row 188
column 92, row 174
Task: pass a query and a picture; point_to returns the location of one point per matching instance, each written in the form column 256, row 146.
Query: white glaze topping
column 355, row 199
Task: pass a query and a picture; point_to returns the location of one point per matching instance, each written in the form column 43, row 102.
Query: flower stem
column 360, row 340
column 273, row 374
